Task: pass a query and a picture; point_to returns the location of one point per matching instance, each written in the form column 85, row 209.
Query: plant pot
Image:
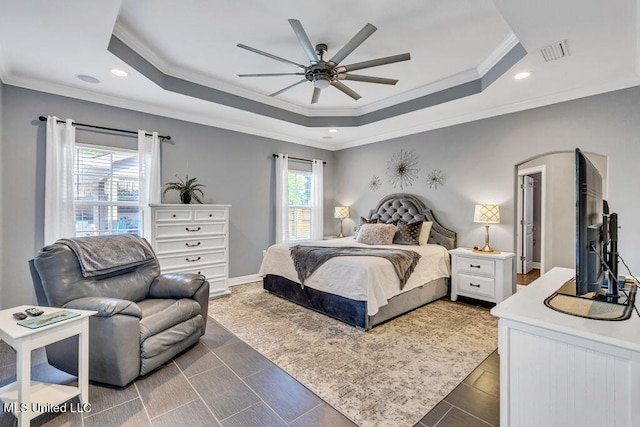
column 185, row 198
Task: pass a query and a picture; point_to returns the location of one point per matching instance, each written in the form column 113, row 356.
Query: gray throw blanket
column 99, row 255
column 307, row 259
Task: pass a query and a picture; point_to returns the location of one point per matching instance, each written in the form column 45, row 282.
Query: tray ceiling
column 183, row 61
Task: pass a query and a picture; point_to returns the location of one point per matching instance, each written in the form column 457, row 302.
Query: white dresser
column 562, row 370
column 488, row 277
column 191, row 239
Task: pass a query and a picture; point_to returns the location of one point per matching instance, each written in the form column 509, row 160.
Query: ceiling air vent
column 554, row 51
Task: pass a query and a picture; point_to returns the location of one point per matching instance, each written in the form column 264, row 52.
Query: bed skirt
column 353, row 312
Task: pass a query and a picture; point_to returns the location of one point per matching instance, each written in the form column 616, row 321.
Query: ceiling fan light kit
column 323, row 74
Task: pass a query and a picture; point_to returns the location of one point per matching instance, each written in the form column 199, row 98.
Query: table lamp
column 341, row 212
column 487, row 214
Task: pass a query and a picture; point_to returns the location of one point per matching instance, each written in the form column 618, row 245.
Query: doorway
column 530, row 222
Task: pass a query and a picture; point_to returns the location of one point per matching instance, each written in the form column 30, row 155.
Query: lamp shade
column 487, row 214
column 341, row 212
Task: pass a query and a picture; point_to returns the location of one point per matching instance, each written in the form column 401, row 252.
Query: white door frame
column 543, row 209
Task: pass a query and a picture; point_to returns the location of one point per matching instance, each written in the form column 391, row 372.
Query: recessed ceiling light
column 522, row 75
column 333, row 130
column 87, row 78
column 119, row 73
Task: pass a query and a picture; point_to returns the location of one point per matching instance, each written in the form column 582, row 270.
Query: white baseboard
column 241, row 280
column 535, row 265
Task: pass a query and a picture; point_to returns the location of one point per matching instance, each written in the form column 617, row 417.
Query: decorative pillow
column 407, row 234
column 363, row 220
column 425, row 232
column 376, row 234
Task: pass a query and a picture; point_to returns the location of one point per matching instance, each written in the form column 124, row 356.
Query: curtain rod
column 44, row 119
column 299, row 159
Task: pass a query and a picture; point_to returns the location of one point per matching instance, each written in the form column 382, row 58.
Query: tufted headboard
column 408, row 208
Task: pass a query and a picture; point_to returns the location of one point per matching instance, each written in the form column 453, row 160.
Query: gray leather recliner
column 144, row 318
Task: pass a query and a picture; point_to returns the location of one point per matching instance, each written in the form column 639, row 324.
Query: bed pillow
column 408, row 234
column 425, row 232
column 376, row 234
column 363, row 220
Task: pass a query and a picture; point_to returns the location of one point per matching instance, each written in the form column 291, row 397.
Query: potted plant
column 187, row 189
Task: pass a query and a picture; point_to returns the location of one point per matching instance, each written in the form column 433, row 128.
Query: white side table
column 488, row 277
column 29, row 399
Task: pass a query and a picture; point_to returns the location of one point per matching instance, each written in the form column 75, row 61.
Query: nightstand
column 487, row 277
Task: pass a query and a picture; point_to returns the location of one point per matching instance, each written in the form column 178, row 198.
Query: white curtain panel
column 149, row 161
column 59, row 215
column 282, row 198
column 317, row 210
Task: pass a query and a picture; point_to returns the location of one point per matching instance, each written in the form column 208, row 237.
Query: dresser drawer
column 188, row 230
column 211, row 214
column 210, row 271
column 470, row 284
column 192, row 259
column 476, row 266
column 195, row 243
column 173, row 215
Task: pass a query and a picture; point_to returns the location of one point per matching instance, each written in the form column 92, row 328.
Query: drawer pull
column 192, row 246
column 174, row 215
column 210, row 215
column 192, row 229
column 474, row 266
column 474, row 285
column 192, row 260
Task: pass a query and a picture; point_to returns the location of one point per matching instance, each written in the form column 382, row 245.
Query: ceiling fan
column 328, row 73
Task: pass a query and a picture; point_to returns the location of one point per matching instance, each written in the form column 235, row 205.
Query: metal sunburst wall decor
column 374, row 183
column 435, row 178
column 401, row 168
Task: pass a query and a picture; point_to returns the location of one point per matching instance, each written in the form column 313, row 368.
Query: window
column 299, row 205
column 106, row 199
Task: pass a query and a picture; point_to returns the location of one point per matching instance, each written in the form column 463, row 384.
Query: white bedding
column 360, row 278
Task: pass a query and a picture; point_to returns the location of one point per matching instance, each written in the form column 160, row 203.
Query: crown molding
column 160, row 110
column 188, row 116
column 555, row 98
column 129, row 39
column 133, row 42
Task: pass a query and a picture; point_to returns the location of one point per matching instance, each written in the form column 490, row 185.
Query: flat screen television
column 596, row 277
column 590, row 242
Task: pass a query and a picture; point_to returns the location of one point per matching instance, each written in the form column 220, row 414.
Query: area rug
column 391, row 375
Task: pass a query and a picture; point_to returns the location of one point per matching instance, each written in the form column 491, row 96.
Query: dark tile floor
column 223, row 382
column 475, row 402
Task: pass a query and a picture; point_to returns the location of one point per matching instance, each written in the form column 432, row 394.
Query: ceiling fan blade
column 352, row 44
column 270, row 74
column 345, row 89
column 268, row 55
column 316, row 95
column 304, row 40
column 368, row 79
column 374, row 63
column 288, row 87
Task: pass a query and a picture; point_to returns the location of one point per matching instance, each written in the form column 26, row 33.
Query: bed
column 364, row 291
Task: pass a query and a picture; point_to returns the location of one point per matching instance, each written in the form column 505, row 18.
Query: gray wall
column 1, row 198
column 480, row 158
column 238, row 169
column 560, row 204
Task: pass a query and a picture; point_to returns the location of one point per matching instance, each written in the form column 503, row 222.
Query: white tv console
column 562, row 370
